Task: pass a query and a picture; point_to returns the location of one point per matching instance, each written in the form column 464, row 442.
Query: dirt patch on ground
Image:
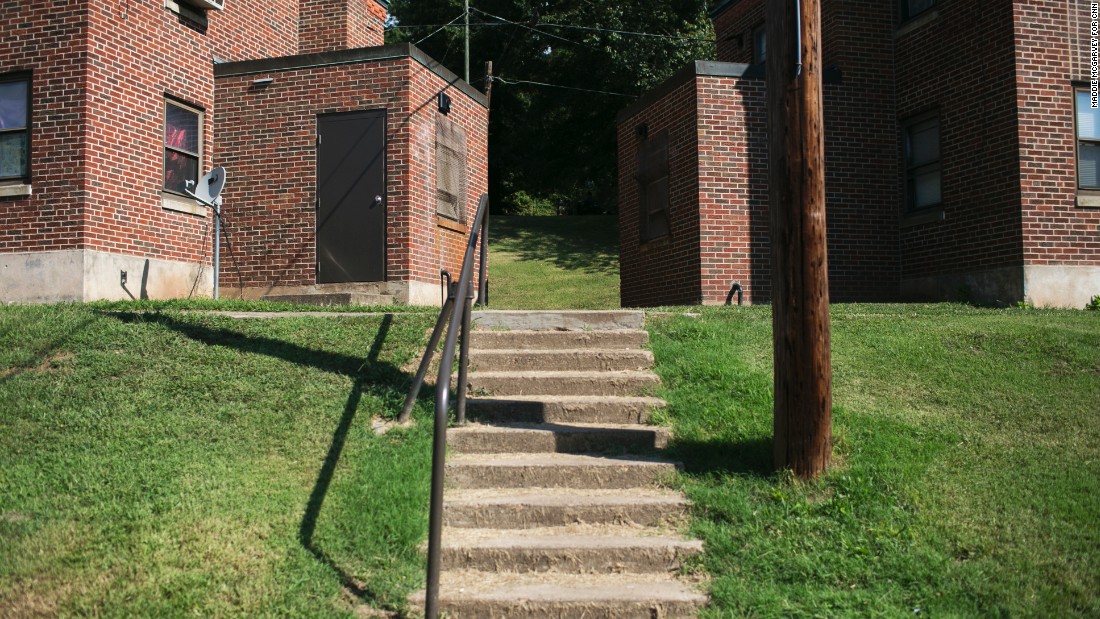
column 52, row 363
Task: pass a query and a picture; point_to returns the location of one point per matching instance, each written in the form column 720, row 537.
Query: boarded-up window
column 450, row 171
column 652, row 178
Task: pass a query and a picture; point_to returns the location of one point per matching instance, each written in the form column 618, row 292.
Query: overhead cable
column 501, row 80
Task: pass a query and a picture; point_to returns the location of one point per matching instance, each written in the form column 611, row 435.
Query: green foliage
column 966, row 468
column 160, row 463
column 1094, row 304
column 545, row 140
column 524, row 204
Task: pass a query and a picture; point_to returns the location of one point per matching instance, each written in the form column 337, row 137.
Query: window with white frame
column 922, row 162
column 1088, row 141
column 182, row 146
column 15, row 116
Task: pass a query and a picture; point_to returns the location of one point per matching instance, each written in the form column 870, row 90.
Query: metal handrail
column 456, row 314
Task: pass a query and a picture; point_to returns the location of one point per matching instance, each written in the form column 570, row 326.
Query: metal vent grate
column 450, row 171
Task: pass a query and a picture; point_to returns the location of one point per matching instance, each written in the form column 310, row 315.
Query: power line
column 628, row 32
column 435, row 32
column 535, row 30
column 599, row 92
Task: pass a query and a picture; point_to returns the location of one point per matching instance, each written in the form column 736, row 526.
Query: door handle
column 378, row 200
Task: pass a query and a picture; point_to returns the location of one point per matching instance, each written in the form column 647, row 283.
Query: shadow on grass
column 751, row 457
column 581, row 243
column 379, row 375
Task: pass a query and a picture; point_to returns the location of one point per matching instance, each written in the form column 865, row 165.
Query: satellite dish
column 210, row 186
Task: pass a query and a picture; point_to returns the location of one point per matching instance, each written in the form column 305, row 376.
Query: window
column 912, row 8
column 15, row 105
column 759, row 44
column 182, row 146
column 652, row 175
column 922, row 162
column 1088, row 142
column 450, row 171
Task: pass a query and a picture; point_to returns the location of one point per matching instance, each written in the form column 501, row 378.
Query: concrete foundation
column 1061, row 286
column 400, row 293
column 87, row 275
column 999, row 287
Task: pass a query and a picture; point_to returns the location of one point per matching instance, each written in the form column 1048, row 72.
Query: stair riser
column 588, row 361
column 558, row 412
column 567, row 560
column 575, row 320
column 489, row 476
column 560, row 442
column 558, row 340
column 563, row 385
column 596, row 609
column 532, row 516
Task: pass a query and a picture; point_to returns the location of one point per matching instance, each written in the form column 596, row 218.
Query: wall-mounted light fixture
column 263, row 81
column 444, row 103
column 642, row 131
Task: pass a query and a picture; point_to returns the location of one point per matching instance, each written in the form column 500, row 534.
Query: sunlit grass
column 966, row 477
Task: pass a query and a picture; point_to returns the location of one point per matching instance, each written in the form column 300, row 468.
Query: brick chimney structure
column 331, row 25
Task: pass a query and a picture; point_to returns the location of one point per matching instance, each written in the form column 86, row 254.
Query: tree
column 557, row 141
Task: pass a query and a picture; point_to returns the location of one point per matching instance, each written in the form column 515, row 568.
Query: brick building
column 345, row 172
column 961, row 152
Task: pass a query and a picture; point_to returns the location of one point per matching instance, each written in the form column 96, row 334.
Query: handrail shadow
column 368, row 372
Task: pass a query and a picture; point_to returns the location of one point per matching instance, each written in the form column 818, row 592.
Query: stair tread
column 559, row 428
column 578, row 537
column 555, row 459
column 560, row 587
column 564, row 496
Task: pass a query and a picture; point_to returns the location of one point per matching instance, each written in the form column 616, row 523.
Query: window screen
column 182, row 146
column 1088, row 142
column 14, row 127
column 922, row 163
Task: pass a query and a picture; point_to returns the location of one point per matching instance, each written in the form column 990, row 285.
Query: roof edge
column 349, row 56
column 698, row 68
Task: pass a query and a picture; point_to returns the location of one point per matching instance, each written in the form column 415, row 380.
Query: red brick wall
column 270, row 132
column 733, row 188
column 50, row 41
column 861, row 162
column 961, row 65
column 328, row 25
column 733, row 28
column 100, row 78
column 663, row 271
column 1052, row 44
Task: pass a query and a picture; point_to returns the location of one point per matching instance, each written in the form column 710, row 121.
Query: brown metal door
column 351, row 197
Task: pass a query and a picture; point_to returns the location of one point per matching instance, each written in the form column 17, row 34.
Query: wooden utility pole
column 800, row 277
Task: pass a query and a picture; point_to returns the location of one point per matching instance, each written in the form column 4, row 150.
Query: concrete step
column 543, row 340
column 576, row 359
column 596, row 549
column 563, row 383
column 553, row 470
column 571, row 438
column 557, row 320
column 563, row 409
column 466, row 594
column 326, row 299
column 524, row 508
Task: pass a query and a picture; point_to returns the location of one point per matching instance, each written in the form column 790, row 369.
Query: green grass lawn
column 553, row 262
column 966, row 480
column 161, row 464
column 164, row 463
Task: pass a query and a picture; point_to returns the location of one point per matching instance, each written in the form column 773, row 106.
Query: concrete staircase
column 553, row 506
